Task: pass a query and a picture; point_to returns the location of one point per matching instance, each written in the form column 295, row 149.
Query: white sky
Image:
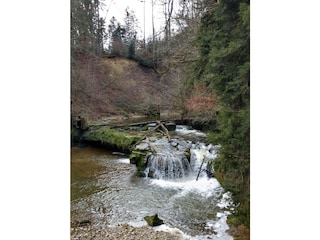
column 117, row 8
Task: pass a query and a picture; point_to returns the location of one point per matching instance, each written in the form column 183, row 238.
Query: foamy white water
column 204, row 186
column 123, row 160
column 185, row 130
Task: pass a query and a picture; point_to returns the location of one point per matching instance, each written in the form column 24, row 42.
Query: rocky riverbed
column 124, row 232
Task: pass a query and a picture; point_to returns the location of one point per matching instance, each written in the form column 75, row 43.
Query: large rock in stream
column 153, row 220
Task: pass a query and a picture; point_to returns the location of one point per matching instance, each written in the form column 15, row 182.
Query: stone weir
column 120, row 136
column 162, row 158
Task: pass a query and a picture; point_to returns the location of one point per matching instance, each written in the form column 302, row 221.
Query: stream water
column 106, row 191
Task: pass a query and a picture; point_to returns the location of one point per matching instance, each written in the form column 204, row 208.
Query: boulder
column 153, row 220
column 139, row 158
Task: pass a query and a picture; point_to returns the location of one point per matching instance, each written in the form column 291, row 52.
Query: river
column 105, row 191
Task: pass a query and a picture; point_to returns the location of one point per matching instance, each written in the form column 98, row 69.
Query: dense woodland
column 198, row 64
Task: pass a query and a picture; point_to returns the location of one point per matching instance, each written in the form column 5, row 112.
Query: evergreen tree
column 224, row 66
column 117, row 45
column 111, row 28
column 131, row 26
column 87, row 28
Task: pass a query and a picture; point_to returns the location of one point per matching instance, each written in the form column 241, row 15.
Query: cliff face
column 115, row 86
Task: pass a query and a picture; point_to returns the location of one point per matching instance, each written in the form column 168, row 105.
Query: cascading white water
column 170, row 160
column 167, row 166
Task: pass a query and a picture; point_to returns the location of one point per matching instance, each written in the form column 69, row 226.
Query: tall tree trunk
column 153, row 32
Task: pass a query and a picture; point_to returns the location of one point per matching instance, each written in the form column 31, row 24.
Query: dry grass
column 118, row 65
column 240, row 232
column 112, row 86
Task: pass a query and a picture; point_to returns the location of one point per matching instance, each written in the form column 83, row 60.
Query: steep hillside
column 116, row 86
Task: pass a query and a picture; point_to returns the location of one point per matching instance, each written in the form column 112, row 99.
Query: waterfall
column 167, row 166
column 174, row 164
column 175, row 158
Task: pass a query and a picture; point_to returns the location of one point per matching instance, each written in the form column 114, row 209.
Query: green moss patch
column 153, row 220
column 139, row 158
column 111, row 137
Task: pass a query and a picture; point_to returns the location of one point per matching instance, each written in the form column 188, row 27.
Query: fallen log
column 152, row 148
column 165, row 130
column 200, row 169
column 150, row 131
column 159, row 124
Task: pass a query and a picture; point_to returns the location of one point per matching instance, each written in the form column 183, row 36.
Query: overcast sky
column 117, row 8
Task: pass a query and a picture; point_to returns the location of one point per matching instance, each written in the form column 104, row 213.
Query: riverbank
column 124, row 231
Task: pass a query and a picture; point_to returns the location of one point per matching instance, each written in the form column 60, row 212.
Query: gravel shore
column 124, row 232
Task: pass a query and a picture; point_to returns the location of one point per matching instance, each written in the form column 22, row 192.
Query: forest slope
column 116, row 86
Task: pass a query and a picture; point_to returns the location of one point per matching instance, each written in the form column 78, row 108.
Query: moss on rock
column 139, row 158
column 153, row 220
column 111, row 137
